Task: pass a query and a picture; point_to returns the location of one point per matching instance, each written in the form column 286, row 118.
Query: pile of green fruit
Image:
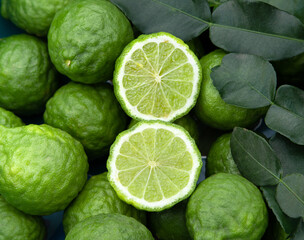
column 138, row 88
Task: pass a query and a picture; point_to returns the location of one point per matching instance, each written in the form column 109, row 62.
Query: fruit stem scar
column 68, row 62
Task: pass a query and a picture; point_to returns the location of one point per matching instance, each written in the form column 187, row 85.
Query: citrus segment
column 154, row 165
column 157, row 77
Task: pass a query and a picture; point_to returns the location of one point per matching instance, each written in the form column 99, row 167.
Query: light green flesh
column 158, row 79
column 154, row 164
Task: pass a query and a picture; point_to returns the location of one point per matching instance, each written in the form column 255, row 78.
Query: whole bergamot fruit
column 211, row 109
column 90, row 113
column 27, row 77
column 86, row 37
column 42, row 168
column 226, row 206
column 219, row 158
column 109, row 227
column 170, row 224
column 9, row 119
column 98, row 197
column 16, row 225
column 34, row 16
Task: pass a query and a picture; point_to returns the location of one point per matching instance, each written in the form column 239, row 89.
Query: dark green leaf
column 299, row 234
column 244, row 80
column 257, row 28
column 254, row 157
column 185, row 19
column 286, row 116
column 294, row 7
column 291, row 155
column 290, row 195
column 288, row 224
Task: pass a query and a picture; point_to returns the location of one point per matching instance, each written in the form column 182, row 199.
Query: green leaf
column 257, row 28
column 244, row 80
column 286, row 115
column 291, row 155
column 299, row 234
column 294, row 7
column 290, row 195
column 288, row 224
column 254, row 157
column 185, row 19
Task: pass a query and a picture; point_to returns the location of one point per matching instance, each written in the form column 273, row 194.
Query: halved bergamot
column 154, row 165
column 157, row 77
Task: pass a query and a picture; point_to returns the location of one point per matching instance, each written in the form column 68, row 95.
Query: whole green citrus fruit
column 211, row 108
column 90, row 113
column 42, row 168
column 97, row 197
column 226, row 206
column 109, row 227
column 34, row 16
column 86, row 37
column 9, row 119
column 27, row 77
column 219, row 158
column 170, row 224
column 16, row 225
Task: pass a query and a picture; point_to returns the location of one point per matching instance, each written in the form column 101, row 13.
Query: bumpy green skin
column 91, row 114
column 34, row 16
column 42, row 168
column 220, row 158
column 170, row 224
column 226, row 206
column 16, row 225
column 109, row 227
column 97, row 197
column 211, row 108
column 8, row 119
column 86, row 37
column 186, row 122
column 27, row 77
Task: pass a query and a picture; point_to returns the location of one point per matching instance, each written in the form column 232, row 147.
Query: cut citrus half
column 157, row 77
column 154, row 165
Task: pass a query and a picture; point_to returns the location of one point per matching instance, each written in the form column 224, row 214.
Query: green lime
column 42, row 168
column 211, row 108
column 219, row 157
column 226, row 206
column 8, row 119
column 86, row 37
column 109, row 227
column 27, row 78
column 187, row 122
column 34, row 16
column 90, row 113
column 97, row 197
column 170, row 224
column 157, row 77
column 16, row 225
column 154, row 165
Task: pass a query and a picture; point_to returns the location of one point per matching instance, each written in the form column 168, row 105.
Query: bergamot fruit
column 42, row 168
